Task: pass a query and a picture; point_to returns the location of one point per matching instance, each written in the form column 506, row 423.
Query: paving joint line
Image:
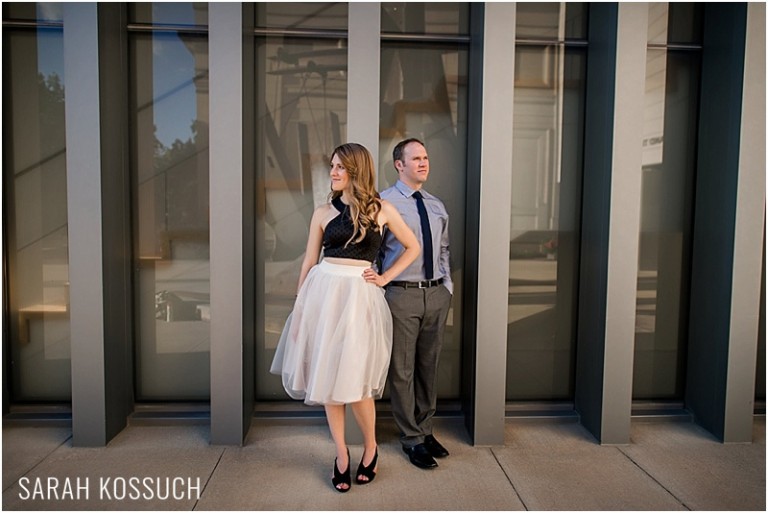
column 683, row 504
column 33, row 467
column 197, row 501
column 510, row 480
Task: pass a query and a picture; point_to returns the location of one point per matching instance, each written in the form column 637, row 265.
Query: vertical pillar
column 116, row 215
column 81, row 65
column 231, row 225
column 748, row 235
column 728, row 222
column 472, row 221
column 611, row 218
column 98, row 207
column 249, row 214
column 492, row 189
column 364, row 65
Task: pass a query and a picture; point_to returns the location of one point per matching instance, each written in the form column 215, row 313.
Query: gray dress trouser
column 418, row 317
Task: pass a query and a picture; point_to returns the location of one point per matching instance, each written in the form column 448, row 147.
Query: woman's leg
column 365, row 415
column 335, row 415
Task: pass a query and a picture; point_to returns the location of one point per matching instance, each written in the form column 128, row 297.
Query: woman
column 336, row 344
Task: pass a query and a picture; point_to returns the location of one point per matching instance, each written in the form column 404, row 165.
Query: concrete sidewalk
column 286, row 466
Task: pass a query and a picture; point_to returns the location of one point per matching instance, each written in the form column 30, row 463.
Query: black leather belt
column 416, row 284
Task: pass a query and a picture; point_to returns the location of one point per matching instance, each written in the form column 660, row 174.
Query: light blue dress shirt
column 400, row 195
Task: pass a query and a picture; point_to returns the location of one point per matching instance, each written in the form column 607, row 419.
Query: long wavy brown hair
column 365, row 205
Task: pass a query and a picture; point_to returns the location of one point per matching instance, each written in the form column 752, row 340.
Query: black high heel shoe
column 341, row 477
column 367, row 471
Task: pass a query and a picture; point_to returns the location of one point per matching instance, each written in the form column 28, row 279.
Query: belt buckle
column 424, row 284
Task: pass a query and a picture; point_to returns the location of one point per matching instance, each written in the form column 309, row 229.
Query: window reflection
column 169, row 13
column 302, row 15
column 34, row 11
column 423, row 95
column 34, row 191
column 546, row 190
column 425, row 17
column 553, row 21
column 170, row 166
column 675, row 23
column 669, row 139
column 301, row 117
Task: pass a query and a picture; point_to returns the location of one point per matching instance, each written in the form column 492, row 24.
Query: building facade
column 603, row 166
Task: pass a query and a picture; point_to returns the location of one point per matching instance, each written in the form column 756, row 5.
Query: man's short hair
column 397, row 153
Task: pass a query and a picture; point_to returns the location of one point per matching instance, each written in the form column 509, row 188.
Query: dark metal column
column 492, row 193
column 232, row 190
column 611, row 218
column 98, row 184
column 728, row 222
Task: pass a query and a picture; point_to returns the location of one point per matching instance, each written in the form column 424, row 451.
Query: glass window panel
column 301, row 88
column 658, row 23
column 169, row 13
column 576, row 18
column 675, row 23
column 425, row 18
column 424, row 95
column 31, row 11
column 35, row 199
column 669, row 152
column 760, row 375
column 546, row 190
column 551, row 20
column 686, row 22
column 169, row 74
column 538, row 20
column 302, row 15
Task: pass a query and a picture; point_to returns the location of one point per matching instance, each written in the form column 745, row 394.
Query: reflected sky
column 175, row 103
column 49, row 11
column 50, row 53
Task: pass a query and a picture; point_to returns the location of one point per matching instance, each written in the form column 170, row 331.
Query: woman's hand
column 372, row 276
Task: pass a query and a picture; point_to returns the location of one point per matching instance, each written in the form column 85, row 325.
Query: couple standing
column 351, row 325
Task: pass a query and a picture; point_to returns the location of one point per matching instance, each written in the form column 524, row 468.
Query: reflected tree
column 51, row 114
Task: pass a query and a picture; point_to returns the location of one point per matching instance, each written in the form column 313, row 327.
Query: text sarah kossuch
column 110, row 488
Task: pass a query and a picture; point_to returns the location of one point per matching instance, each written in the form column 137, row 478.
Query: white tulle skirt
column 337, row 342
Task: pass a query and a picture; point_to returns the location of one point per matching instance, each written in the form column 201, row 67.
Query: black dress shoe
column 419, row 456
column 434, row 447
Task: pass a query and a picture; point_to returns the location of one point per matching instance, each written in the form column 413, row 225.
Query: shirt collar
column 407, row 191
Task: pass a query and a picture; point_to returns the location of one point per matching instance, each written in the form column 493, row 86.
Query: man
column 419, row 299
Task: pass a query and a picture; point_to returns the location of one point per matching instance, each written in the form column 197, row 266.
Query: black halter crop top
column 340, row 229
